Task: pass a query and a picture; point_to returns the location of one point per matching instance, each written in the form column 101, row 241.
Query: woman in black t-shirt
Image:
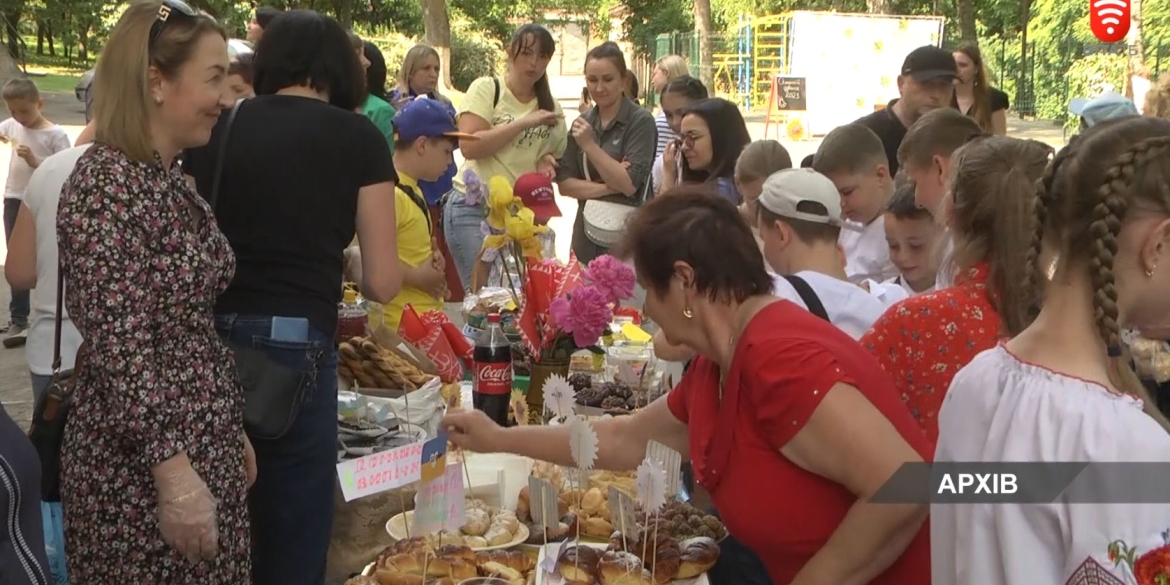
column 301, row 172
column 974, row 95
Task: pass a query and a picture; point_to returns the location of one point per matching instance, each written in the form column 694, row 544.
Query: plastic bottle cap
column 349, row 296
column 493, row 318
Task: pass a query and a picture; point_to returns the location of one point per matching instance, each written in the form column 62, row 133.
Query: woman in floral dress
column 154, row 466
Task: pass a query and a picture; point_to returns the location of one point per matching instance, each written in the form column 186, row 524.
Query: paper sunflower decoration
column 559, row 396
column 582, row 443
column 651, row 483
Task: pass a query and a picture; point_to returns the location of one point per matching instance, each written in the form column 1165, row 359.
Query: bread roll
column 697, row 556
column 477, row 522
column 362, row 580
column 597, row 527
column 592, row 502
column 475, row 542
column 622, row 568
column 579, row 563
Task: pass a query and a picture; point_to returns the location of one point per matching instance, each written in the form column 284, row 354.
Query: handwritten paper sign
column 624, row 511
column 378, row 472
column 434, row 458
column 439, row 504
column 671, row 462
column 543, row 504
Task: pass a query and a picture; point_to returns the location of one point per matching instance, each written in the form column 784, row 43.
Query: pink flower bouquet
column 567, row 309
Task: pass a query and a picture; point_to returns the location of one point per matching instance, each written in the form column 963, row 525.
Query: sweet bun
column 460, row 569
column 498, row 535
column 454, row 551
column 405, row 563
column 524, row 505
column 579, row 563
column 622, row 568
column 362, row 580
column 664, row 565
column 477, row 522
column 593, row 501
column 475, row 541
column 386, row 577
column 511, row 559
column 506, row 573
column 697, row 556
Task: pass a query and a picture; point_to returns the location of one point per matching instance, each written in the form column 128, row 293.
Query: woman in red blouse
column 788, row 422
column 926, row 339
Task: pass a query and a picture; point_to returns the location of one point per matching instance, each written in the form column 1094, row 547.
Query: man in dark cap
column 927, row 82
column 264, row 16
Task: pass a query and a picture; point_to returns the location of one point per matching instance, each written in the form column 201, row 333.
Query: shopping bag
column 54, row 524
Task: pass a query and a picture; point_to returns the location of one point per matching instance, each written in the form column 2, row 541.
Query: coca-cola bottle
column 492, row 384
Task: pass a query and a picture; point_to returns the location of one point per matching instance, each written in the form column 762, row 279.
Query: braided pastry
column 366, row 364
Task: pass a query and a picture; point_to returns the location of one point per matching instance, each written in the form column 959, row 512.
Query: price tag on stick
column 671, row 462
column 624, row 511
column 543, row 503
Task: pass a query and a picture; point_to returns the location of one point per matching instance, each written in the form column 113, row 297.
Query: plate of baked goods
column 485, row 528
column 416, row 562
column 628, row 561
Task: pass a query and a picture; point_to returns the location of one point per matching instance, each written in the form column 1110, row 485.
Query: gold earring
column 688, row 313
column 1150, row 272
column 158, row 100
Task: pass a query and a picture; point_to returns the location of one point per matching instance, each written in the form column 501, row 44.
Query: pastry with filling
column 579, row 563
column 622, row 568
column 697, row 556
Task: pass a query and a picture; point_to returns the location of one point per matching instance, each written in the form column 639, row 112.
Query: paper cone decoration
column 582, row 443
column 559, row 396
column 651, row 482
column 411, row 327
column 435, row 341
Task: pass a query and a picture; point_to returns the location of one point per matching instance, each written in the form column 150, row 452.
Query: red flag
column 411, row 327
column 455, row 338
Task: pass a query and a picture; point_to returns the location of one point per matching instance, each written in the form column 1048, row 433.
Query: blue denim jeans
column 39, row 385
column 461, row 226
column 292, row 501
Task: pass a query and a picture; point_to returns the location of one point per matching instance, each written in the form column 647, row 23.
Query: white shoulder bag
column 605, row 221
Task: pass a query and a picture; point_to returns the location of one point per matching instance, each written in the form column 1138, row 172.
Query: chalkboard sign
column 790, row 94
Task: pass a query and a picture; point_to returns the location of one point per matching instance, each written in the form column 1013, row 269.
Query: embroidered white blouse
column 999, row 408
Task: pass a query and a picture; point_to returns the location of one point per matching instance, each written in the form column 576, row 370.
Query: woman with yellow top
column 424, row 140
column 520, row 128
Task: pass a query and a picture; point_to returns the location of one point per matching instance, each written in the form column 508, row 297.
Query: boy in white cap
column 800, row 223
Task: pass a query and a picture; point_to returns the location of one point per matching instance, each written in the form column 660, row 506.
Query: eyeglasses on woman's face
column 165, row 12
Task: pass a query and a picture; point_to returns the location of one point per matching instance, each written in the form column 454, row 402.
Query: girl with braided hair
column 923, row 341
column 1062, row 390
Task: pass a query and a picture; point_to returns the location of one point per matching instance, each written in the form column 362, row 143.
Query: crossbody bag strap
column 57, row 320
column 808, row 295
column 419, row 202
column 223, row 142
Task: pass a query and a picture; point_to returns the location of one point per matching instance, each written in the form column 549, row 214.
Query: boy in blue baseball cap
column 425, row 137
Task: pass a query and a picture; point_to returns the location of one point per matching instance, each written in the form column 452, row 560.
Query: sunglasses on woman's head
column 165, row 12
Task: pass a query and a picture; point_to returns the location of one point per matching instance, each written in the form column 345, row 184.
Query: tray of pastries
column 485, row 528
column 416, row 561
column 628, row 561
